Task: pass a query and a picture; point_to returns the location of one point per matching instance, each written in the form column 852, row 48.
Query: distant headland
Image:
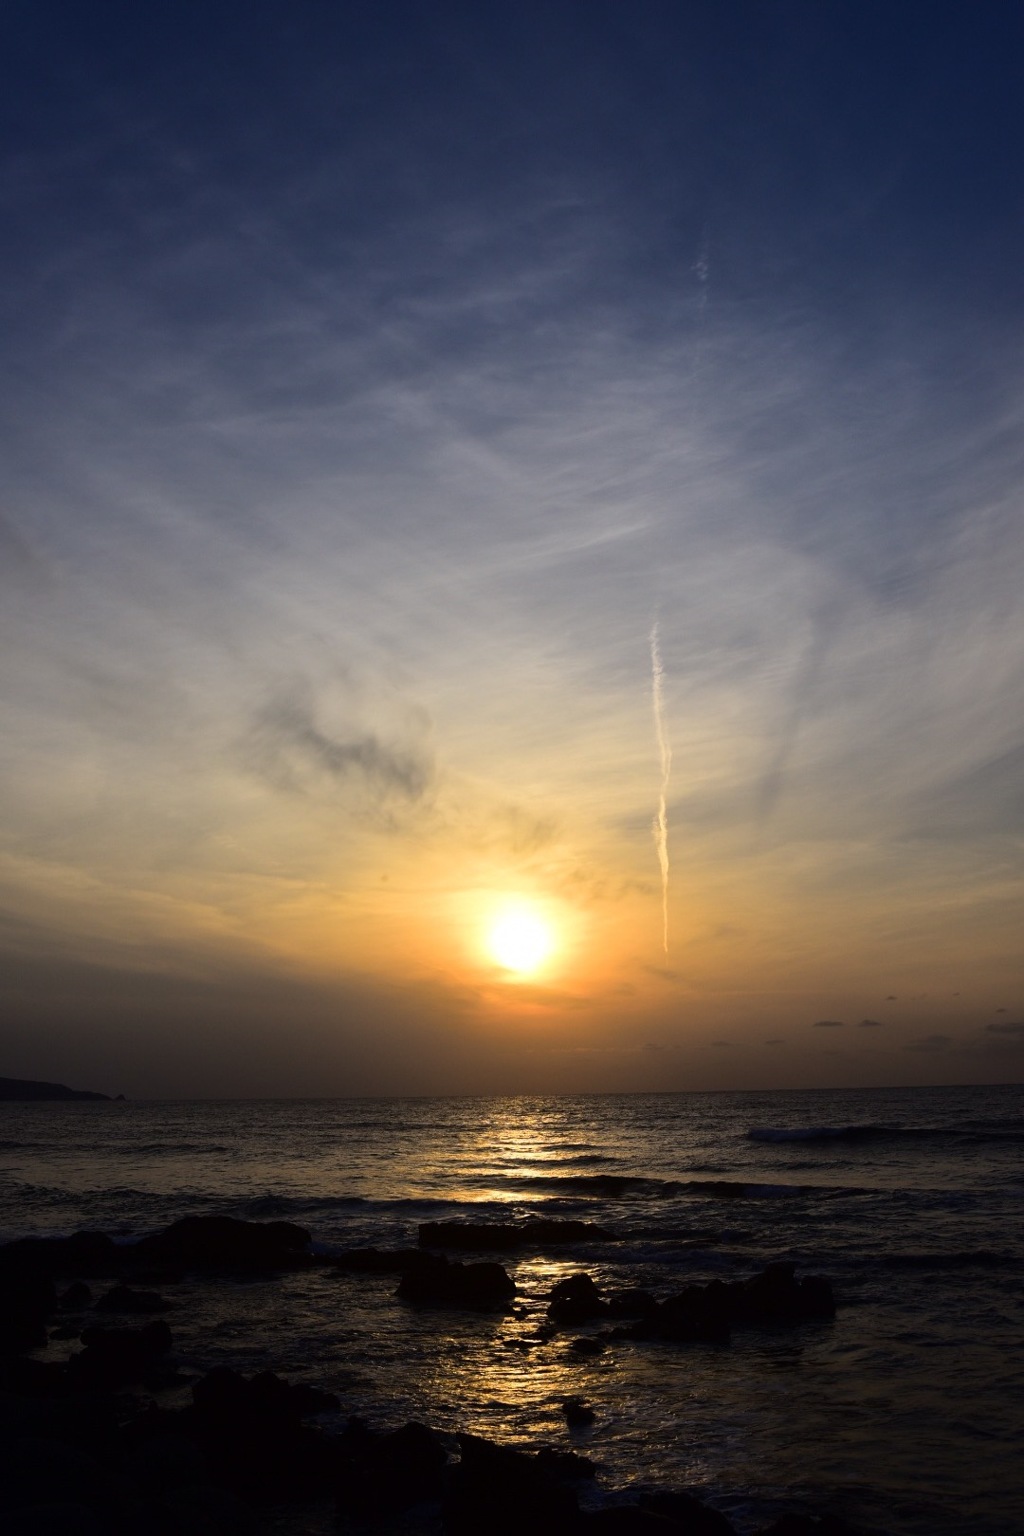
column 24, row 1088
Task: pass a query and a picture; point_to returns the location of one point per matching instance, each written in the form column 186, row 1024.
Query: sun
column 520, row 940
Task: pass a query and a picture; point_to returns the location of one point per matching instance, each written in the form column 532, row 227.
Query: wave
column 971, row 1131
column 967, row 1258
column 614, row 1186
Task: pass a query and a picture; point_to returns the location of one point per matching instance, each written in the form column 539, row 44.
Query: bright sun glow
column 520, row 941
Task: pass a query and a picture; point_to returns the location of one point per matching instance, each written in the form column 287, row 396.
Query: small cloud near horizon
column 827, row 1024
column 931, row 1043
column 870, row 1024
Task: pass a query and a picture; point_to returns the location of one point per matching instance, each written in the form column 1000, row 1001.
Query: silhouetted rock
column 26, row 1301
column 708, row 1312
column 505, row 1237
column 798, row 1524
column 379, row 1474
column 27, row 1090
column 35, row 1472
column 252, row 1434
column 688, row 1513
column 77, row 1296
column 578, row 1414
column 224, row 1242
column 139, row 1303
column 82, row 1254
column 505, row 1493
column 575, row 1300
column 263, row 1397
column 585, row 1347
column 808, row 1525
column 439, row 1283
column 116, row 1357
column 632, row 1303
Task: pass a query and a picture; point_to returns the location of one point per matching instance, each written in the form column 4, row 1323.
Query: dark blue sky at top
column 845, row 150
column 855, row 165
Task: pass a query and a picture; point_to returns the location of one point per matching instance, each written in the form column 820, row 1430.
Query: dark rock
column 632, row 1304
column 707, row 1313
column 263, row 1397
column 224, row 1242
column 578, row 1413
column 794, row 1524
column 138, row 1303
column 116, row 1357
column 776, row 1296
column 84, row 1253
column 504, row 1493
column 251, row 1432
column 442, row 1284
column 377, row 1475
column 575, row 1300
column 36, row 1471
column 75, row 1298
column 505, row 1237
column 587, row 1347
column 26, row 1301
column 567, row 1466
column 56, row 1520
column 626, row 1520
column 688, row 1513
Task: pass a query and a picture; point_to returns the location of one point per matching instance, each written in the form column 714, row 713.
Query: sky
column 556, row 465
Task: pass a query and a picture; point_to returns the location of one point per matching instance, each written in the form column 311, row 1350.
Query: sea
column 905, row 1414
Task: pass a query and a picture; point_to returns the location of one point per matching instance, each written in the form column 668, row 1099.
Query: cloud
column 778, row 1040
column 827, row 1024
column 286, row 746
column 931, row 1043
column 870, row 1024
column 1007, row 1027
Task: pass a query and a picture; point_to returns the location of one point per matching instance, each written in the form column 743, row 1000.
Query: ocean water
column 906, row 1414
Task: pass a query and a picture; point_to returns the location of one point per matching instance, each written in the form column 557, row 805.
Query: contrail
column 660, row 824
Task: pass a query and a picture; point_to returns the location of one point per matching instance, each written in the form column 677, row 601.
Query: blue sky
column 377, row 378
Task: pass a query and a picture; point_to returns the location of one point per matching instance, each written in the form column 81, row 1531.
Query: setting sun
column 520, row 941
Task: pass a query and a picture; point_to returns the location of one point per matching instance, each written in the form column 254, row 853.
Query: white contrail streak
column 660, row 824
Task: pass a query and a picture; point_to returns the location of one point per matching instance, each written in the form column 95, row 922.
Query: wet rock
column 138, row 1303
column 776, row 1296
column 440, row 1283
column 252, row 1433
column 575, row 1300
column 507, row 1237
column 504, row 1492
column 224, row 1242
column 377, row 1475
column 263, row 1397
column 578, row 1414
column 26, row 1301
column 688, row 1513
column 40, row 1471
column 633, row 1303
column 75, row 1298
column 626, row 1520
column 794, row 1524
column 116, row 1357
column 708, row 1312
column 83, row 1254
column 56, row 1520
column 586, row 1348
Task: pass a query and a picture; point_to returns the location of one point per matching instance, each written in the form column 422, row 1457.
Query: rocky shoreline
column 88, row 1445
